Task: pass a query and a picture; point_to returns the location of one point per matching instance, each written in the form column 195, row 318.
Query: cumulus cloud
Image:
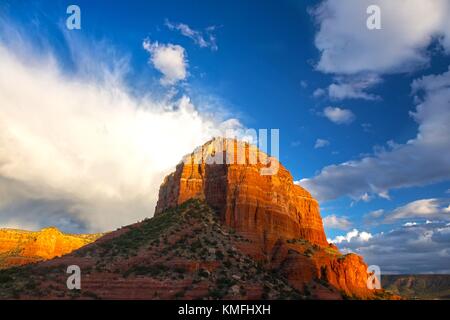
column 169, row 59
column 347, row 46
column 336, row 222
column 358, row 56
column 84, row 153
column 339, row 115
column 204, row 39
column 422, row 208
column 352, row 236
column 321, row 143
column 422, row 160
column 413, row 248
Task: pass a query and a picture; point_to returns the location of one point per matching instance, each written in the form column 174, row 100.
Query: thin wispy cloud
column 337, row 222
column 321, row 143
column 431, row 208
column 204, row 39
column 353, row 88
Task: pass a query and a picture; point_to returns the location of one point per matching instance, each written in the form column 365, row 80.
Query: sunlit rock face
column 19, row 247
column 264, row 206
column 281, row 218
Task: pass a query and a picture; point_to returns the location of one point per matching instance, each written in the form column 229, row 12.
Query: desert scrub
column 152, row 271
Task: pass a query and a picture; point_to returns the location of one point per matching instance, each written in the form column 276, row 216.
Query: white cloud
column 321, row 143
column 347, row 46
column 410, row 224
column 423, row 208
column 169, row 59
column 84, row 153
column 421, row 248
column 417, row 209
column 352, row 236
column 376, row 213
column 359, row 56
column 384, row 194
column 365, row 236
column 205, row 39
column 338, row 115
column 365, row 197
column 335, row 222
column 319, row 92
column 422, row 160
column 353, row 88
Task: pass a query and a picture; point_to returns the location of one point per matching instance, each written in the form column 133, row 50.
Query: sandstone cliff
column 18, row 247
column 282, row 219
column 263, row 207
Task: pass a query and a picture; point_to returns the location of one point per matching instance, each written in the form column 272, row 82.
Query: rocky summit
column 264, row 208
column 221, row 230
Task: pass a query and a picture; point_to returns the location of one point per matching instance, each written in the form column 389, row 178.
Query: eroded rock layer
column 258, row 205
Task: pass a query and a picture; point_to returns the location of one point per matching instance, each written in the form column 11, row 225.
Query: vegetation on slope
column 186, row 246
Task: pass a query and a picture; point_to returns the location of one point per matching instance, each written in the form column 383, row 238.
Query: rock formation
column 221, row 231
column 271, row 210
column 18, row 247
column 267, row 207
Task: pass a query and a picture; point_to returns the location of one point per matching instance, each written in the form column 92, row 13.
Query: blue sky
column 341, row 95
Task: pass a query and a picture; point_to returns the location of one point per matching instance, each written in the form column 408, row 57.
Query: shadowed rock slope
column 183, row 253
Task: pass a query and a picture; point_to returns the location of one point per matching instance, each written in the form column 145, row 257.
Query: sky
column 92, row 119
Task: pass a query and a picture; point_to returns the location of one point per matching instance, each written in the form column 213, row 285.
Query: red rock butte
column 268, row 232
column 264, row 207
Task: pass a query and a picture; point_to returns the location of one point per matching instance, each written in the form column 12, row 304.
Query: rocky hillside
column 220, row 231
column 19, row 247
column 184, row 253
column 270, row 210
column 419, row 286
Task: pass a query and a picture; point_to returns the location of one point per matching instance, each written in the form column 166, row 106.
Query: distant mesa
column 19, row 247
